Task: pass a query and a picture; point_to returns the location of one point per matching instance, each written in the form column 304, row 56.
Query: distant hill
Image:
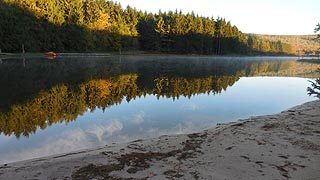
column 301, row 44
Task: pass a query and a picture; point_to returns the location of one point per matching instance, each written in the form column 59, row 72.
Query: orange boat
column 51, row 55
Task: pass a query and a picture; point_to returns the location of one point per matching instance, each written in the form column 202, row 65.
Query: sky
column 282, row 17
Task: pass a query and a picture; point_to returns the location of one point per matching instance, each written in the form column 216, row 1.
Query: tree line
column 99, row 25
column 258, row 45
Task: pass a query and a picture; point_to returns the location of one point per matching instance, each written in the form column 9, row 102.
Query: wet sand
column 279, row 146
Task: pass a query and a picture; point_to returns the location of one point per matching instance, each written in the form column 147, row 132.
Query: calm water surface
column 57, row 106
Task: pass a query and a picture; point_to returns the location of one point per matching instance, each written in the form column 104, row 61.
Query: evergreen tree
column 99, row 25
column 317, row 29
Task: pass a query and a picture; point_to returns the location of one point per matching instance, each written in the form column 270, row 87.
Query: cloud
column 94, row 136
column 68, row 141
column 138, row 118
column 151, row 132
column 71, row 140
column 190, row 107
column 102, row 131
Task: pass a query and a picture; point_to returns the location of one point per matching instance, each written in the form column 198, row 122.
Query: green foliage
column 315, row 87
column 174, row 32
column 65, row 26
column 317, row 29
column 99, row 25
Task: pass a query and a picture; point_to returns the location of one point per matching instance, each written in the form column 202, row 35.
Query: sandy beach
column 279, row 146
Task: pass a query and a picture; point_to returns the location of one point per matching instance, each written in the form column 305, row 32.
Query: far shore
column 312, row 60
column 279, row 146
column 138, row 53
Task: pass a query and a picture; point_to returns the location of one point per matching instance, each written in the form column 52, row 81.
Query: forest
column 104, row 26
column 305, row 45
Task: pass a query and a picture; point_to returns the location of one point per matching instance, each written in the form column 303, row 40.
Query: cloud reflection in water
column 92, row 137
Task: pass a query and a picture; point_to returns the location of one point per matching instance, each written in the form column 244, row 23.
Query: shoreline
column 278, row 146
column 133, row 53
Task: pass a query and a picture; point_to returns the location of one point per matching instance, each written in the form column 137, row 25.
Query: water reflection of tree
column 315, row 87
column 57, row 92
column 64, row 103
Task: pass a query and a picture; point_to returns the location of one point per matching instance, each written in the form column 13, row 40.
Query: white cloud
column 102, row 131
column 190, row 107
column 94, row 136
column 69, row 141
column 138, row 118
column 180, row 128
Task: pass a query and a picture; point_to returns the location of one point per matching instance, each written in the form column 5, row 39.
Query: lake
column 54, row 106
